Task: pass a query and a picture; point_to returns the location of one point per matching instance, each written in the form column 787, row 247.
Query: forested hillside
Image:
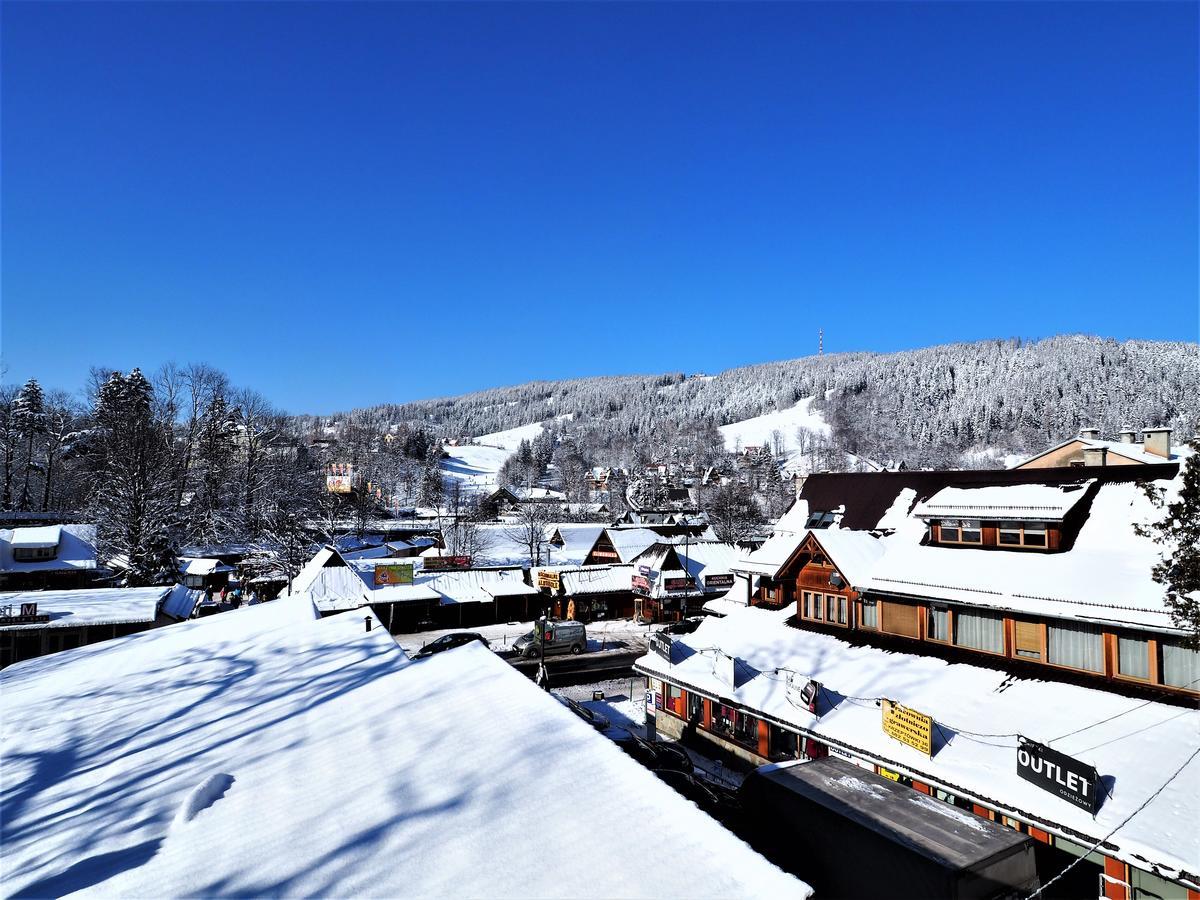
column 930, row 407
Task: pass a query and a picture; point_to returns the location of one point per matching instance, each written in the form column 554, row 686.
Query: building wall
column 1073, row 453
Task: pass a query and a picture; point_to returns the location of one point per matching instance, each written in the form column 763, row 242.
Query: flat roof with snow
column 284, row 755
column 87, row 606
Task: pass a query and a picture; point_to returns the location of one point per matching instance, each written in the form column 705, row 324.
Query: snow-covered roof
column 88, row 606
column 76, row 548
column 596, row 580
column 181, row 602
column 480, row 585
column 1137, row 744
column 1103, row 578
column 629, row 542
column 1038, row 502
column 794, row 521
column 42, row 537
column 577, row 541
column 854, row 553
column 773, row 554
column 288, row 756
column 192, row 566
column 1133, row 451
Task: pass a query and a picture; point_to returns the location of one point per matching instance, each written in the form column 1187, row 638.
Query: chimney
column 1090, row 434
column 1095, row 456
column 1157, row 441
column 1128, row 436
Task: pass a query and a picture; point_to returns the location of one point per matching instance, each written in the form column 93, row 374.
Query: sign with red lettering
column 439, row 563
column 1059, row 774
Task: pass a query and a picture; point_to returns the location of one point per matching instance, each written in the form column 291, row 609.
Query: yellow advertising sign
column 550, row 581
column 908, row 726
column 394, row 573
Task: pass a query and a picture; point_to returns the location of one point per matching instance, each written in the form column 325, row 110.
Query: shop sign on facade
column 549, row 581
column 1059, row 774
column 718, row 581
column 908, row 726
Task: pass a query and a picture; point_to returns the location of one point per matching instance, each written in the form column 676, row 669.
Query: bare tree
column 530, row 527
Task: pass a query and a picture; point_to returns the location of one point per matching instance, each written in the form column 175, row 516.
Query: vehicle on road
column 449, row 642
column 720, row 803
column 593, row 718
column 561, row 637
column 657, row 756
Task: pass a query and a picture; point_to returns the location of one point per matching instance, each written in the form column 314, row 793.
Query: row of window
column 30, row 554
column 1008, row 534
column 1070, row 645
column 829, row 608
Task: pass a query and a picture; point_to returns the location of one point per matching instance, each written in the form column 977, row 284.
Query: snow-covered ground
column 511, row 438
column 758, row 431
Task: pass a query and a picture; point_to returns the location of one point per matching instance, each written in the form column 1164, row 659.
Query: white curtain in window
column 1078, row 646
column 870, row 615
column 939, row 624
column 1133, row 657
column 1181, row 666
column 979, row 631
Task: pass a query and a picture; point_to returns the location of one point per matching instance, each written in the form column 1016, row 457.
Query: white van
column 561, row 637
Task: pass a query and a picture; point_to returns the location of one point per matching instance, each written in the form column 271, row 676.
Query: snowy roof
column 577, row 541
column 87, row 606
column 193, row 566
column 1138, row 744
column 287, row 756
column 1040, row 502
column 1103, row 578
column 76, row 548
column 36, row 538
column 629, row 542
column 854, row 553
column 1136, row 452
column 794, row 521
column 481, row 585
column 597, row 580
column 773, row 554
column 181, row 602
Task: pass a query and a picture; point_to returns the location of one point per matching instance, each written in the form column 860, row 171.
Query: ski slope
column 757, row 432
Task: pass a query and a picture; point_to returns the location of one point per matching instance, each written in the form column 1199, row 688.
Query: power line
column 1118, row 827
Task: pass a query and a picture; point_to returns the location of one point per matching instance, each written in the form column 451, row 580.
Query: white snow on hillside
column 758, row 431
column 474, row 467
column 511, row 438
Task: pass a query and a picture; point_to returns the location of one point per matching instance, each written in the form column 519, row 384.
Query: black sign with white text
column 1059, row 774
column 660, row 643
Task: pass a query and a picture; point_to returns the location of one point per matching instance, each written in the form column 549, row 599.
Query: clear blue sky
column 345, row 204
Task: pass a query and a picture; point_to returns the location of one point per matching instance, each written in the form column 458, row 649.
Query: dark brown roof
column 868, row 495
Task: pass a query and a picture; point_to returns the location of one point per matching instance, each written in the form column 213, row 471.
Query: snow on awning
column 1022, row 502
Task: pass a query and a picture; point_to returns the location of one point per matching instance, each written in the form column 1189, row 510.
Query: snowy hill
column 761, row 431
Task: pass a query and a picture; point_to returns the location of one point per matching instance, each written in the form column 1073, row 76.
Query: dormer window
column 960, row 531
column 1022, row 534
column 33, row 554
column 819, row 519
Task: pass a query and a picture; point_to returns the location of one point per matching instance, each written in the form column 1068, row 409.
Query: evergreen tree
column 1178, row 532
column 29, row 419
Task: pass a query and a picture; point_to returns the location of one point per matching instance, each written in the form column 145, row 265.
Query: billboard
column 640, row 584
column 549, row 581
column 908, row 726
column 1059, row 774
column 441, row 563
column 393, row 573
column 339, row 484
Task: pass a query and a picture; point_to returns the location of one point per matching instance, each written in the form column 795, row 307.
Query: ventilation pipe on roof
column 1128, row 436
column 1157, row 441
column 1090, row 434
column 1095, row 456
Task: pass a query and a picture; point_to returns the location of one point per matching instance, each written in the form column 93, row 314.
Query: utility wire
column 1119, row 826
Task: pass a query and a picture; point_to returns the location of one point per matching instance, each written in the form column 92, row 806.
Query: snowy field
column 757, row 431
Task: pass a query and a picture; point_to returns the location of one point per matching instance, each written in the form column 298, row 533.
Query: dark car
column 715, row 800
column 593, row 718
column 684, row 626
column 450, row 641
column 657, row 756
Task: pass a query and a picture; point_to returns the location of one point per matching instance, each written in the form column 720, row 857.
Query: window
column 1077, row 646
column 1027, row 640
column 673, row 699
column 902, row 619
column 835, row 609
column 783, row 744
column 1147, row 885
column 745, row 730
column 29, row 554
column 937, row 624
column 1180, row 667
column 870, row 615
column 979, row 631
column 961, row 531
column 695, row 707
column 819, row 520
column 812, row 606
column 1022, row 534
column 1133, row 657
column 722, row 718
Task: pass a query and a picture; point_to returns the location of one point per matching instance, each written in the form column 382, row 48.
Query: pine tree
column 1178, row 532
column 29, row 419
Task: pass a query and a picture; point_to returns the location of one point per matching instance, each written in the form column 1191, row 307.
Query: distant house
column 48, row 556
column 1088, row 449
column 204, row 573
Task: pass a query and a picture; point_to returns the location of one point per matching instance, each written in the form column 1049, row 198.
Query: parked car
column 657, row 756
column 685, row 626
column 593, row 718
column 450, row 641
column 561, row 637
column 718, row 802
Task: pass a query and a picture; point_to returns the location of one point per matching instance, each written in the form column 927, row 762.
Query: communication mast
column 820, row 342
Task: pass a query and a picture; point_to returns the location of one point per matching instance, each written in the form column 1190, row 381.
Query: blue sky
column 345, row 204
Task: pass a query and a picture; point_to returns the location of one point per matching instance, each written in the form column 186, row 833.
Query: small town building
column 37, row 623
column 47, row 556
column 587, row 593
column 204, row 574
column 1089, row 449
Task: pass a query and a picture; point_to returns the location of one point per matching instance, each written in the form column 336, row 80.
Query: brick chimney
column 1157, row 441
column 1128, row 436
column 1095, row 456
column 1090, row 434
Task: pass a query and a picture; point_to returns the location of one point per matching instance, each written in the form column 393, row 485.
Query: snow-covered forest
column 939, row 406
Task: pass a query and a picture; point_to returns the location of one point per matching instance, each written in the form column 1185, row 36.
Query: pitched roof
column 76, row 548
column 288, row 756
column 88, row 606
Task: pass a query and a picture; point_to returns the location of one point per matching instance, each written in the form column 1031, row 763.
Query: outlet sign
column 1065, row 777
column 660, row 643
